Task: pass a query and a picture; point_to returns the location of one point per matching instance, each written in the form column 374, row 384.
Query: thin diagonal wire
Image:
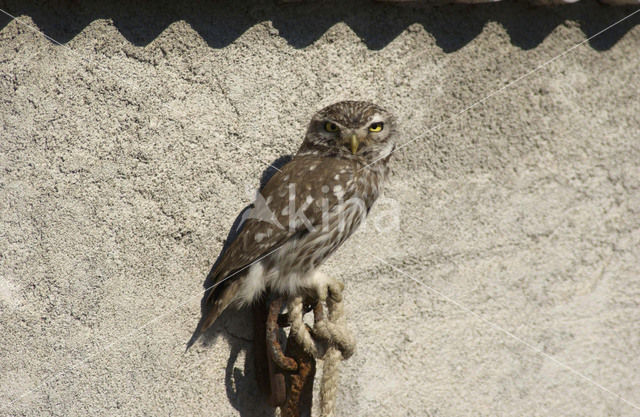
column 499, row 90
column 85, row 59
column 505, row 331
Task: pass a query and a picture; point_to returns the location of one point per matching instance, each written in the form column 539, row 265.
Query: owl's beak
column 354, row 144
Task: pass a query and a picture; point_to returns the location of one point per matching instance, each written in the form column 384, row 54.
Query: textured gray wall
column 126, row 154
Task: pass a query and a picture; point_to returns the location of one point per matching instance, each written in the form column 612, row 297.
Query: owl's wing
column 290, row 204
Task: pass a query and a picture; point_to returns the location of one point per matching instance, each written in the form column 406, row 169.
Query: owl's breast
column 290, row 267
column 334, row 200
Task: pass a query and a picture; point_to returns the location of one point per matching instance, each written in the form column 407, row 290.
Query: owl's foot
column 326, row 287
column 330, row 326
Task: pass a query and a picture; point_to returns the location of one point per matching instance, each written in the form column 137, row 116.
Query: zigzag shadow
column 221, row 22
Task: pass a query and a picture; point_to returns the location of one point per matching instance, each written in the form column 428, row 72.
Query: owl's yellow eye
column 330, row 127
column 376, row 127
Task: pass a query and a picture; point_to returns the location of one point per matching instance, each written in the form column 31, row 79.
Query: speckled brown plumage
column 308, row 208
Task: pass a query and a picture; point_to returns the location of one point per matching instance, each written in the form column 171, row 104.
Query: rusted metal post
column 299, row 383
column 286, row 379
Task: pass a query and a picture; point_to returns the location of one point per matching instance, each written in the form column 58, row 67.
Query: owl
column 307, row 209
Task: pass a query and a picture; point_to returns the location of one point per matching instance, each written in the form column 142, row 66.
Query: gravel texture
column 499, row 276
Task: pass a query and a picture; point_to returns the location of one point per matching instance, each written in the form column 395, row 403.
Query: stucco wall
column 126, row 154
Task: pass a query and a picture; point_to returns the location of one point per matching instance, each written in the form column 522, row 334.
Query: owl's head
column 356, row 130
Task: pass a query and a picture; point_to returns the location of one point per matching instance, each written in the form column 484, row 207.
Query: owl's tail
column 216, row 301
